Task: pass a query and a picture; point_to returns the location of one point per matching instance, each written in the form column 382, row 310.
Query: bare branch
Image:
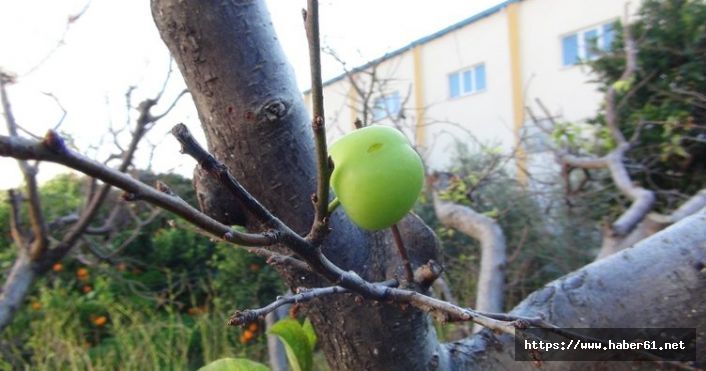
column 611, row 113
column 171, row 106
column 209, row 163
column 61, row 107
column 583, row 162
column 54, row 150
column 493, row 247
column 643, row 199
column 303, row 295
column 69, row 22
column 18, row 235
column 36, row 217
column 311, row 21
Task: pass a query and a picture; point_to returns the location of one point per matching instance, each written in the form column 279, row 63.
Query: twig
column 319, row 228
column 303, row 295
column 191, row 147
column 64, row 113
column 53, row 149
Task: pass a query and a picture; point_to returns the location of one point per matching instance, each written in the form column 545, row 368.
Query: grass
column 64, row 335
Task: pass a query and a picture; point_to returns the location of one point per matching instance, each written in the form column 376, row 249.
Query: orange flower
column 82, row 274
column 36, row 305
column 195, row 311
column 253, row 327
column 100, row 321
column 86, row 289
column 57, row 267
column 254, row 267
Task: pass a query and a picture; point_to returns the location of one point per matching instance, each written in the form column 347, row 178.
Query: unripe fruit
column 377, row 176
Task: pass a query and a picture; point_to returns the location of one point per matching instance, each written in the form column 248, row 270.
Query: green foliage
column 545, row 239
column 299, row 341
column 160, row 304
column 62, row 194
column 665, row 98
column 244, row 280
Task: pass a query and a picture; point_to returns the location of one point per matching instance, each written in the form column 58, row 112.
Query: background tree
column 650, row 128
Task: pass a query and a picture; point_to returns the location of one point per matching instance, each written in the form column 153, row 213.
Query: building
column 472, row 81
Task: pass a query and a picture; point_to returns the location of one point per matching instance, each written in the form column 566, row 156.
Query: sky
column 89, row 65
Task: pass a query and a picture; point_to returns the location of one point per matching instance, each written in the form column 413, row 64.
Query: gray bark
column 255, row 122
column 491, row 279
column 660, row 282
column 651, row 224
column 16, row 286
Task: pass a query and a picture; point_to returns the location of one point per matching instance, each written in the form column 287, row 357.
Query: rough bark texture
column 661, row 282
column 256, row 124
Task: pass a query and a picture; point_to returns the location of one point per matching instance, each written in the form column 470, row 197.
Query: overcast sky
column 115, row 45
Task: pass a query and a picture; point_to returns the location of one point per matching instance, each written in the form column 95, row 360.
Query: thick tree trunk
column 660, row 282
column 255, row 122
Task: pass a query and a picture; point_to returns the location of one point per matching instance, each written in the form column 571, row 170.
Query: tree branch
column 490, row 289
column 18, row 235
column 53, row 149
column 319, row 228
column 39, row 239
column 303, row 295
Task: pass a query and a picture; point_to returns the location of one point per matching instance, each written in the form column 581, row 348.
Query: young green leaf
column 234, row 364
column 298, row 342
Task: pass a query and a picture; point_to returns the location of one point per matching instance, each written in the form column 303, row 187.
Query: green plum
column 377, row 176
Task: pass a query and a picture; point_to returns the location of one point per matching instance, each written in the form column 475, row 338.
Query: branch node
column 164, row 188
column 426, row 274
column 317, row 123
column 240, row 318
column 54, row 142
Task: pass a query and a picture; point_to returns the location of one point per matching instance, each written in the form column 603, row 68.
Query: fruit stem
column 333, row 205
column 397, row 237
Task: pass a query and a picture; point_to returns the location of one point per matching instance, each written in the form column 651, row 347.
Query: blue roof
column 474, row 18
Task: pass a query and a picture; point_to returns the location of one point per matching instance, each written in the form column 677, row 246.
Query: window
column 387, row 106
column 586, row 44
column 467, row 81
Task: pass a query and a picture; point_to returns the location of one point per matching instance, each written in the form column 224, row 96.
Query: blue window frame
column 454, row 85
column 480, row 77
column 570, row 49
column 587, row 44
column 468, row 81
column 388, row 105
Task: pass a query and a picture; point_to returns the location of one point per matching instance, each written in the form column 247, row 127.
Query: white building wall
column 565, row 90
column 485, row 116
column 343, row 104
